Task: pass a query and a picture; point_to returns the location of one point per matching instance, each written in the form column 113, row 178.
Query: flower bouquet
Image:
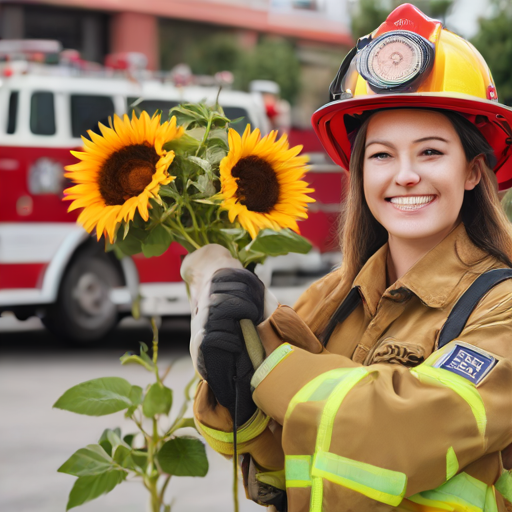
column 192, row 179
column 143, row 184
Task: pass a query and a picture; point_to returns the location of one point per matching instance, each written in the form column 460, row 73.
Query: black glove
column 234, row 295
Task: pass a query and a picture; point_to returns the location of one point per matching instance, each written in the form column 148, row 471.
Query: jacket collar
column 433, row 279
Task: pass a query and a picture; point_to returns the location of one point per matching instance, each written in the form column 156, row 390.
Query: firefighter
column 389, row 385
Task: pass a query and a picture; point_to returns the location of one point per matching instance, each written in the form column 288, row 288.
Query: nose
column 406, row 175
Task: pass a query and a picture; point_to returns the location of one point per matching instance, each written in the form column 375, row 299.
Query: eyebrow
column 423, row 139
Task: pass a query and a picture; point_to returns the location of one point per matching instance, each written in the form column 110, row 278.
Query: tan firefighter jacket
column 377, row 421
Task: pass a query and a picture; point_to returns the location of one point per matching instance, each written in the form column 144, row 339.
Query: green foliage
column 97, row 397
column 183, row 456
column 188, row 210
column 87, row 488
column 271, row 59
column 152, row 455
column 494, row 42
column 158, row 400
column 370, row 14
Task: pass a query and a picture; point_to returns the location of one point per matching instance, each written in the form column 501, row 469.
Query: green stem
column 164, row 487
column 155, row 346
column 179, row 227
column 206, row 133
column 152, row 476
column 194, row 222
column 177, row 422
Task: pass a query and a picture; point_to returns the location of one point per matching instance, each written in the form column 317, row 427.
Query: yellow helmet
column 411, row 61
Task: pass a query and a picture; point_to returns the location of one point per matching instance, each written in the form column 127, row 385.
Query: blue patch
column 472, row 364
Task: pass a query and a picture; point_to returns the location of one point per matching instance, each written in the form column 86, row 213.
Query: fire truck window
column 87, row 111
column 13, row 112
column 235, row 113
column 150, row 106
column 42, row 114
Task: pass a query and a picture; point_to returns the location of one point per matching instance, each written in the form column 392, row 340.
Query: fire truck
column 49, row 266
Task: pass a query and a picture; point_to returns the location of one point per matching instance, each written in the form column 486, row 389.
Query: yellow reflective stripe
column 280, row 353
column 317, row 495
column 323, row 438
column 504, row 485
column 490, row 500
column 318, row 389
column 462, row 493
column 222, row 441
column 452, row 463
column 463, row 387
column 377, row 483
column 298, row 470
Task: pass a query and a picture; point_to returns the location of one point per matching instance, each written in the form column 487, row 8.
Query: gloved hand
column 234, row 295
column 197, row 271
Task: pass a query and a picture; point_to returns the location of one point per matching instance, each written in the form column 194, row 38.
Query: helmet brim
column 333, row 130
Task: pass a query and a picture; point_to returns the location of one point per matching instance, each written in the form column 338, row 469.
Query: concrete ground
column 35, row 439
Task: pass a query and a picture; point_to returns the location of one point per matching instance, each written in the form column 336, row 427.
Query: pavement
column 35, row 369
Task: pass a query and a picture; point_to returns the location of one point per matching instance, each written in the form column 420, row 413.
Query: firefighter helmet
column 412, row 61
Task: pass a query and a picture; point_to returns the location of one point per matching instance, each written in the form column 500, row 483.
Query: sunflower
column 261, row 182
column 120, row 171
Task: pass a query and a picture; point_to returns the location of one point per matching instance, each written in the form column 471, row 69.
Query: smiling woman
column 387, row 386
column 415, row 174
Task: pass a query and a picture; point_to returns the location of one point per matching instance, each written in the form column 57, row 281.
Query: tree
column 494, row 41
column 271, row 59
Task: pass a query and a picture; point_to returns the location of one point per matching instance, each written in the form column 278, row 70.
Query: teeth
column 411, row 202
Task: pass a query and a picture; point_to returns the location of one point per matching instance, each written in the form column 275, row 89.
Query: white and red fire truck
column 49, row 266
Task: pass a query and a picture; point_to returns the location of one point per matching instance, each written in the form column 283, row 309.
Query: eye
column 380, row 156
column 432, row 152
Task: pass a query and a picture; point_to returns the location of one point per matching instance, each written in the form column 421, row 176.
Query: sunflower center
column 127, row 172
column 257, row 185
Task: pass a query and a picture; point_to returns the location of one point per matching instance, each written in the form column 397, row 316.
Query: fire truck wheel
column 84, row 311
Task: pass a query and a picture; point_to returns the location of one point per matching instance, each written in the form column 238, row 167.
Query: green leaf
column 157, row 242
column 205, row 185
column 200, row 162
column 216, row 153
column 128, row 439
column 123, row 457
column 183, row 456
column 91, row 460
column 88, row 488
column 135, row 396
column 140, row 458
column 97, row 397
column 185, row 144
column 187, row 423
column 158, row 400
column 144, row 353
column 104, row 441
column 197, row 133
column 133, row 359
column 129, row 246
column 234, row 233
column 277, row 243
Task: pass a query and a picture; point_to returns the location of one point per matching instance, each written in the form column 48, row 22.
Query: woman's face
column 415, row 173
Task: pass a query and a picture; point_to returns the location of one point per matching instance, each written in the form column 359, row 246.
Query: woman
column 362, row 400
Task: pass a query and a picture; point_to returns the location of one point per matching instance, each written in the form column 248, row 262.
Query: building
column 319, row 30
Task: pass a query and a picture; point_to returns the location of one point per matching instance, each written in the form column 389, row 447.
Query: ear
column 475, row 170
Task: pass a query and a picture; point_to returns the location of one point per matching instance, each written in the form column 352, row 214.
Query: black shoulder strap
column 456, row 319
column 342, row 313
column 468, row 301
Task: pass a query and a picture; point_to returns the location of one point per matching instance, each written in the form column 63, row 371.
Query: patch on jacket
column 397, row 352
column 467, row 361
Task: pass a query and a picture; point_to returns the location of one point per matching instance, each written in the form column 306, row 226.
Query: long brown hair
column 482, row 214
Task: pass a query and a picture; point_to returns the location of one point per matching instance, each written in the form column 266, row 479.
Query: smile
column 411, row 203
